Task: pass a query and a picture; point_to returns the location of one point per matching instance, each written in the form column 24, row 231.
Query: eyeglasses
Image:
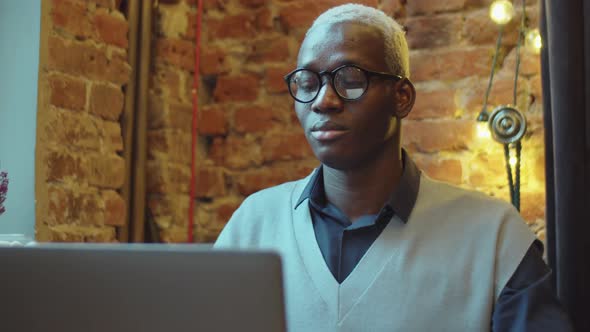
column 349, row 81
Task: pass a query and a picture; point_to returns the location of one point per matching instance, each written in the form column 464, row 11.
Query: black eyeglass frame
column 332, row 73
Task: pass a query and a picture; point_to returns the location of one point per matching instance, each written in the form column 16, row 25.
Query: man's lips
column 328, row 135
column 327, row 130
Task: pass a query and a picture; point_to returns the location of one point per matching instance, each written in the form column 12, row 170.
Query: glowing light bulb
column 483, row 131
column 512, row 161
column 533, row 41
column 501, row 11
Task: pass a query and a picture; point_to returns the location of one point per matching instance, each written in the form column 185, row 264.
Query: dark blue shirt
column 527, row 302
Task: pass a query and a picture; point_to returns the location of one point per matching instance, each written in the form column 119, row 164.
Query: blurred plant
column 3, row 190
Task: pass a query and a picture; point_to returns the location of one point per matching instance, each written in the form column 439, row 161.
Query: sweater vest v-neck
column 443, row 270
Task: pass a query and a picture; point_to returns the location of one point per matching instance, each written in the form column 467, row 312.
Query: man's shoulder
column 442, row 193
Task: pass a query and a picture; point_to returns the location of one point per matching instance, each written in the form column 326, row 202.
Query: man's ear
column 405, row 96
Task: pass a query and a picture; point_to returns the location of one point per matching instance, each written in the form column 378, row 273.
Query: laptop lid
column 82, row 287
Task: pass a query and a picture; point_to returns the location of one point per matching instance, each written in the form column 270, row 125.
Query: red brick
column 175, row 234
column 209, row 5
column 446, row 170
column 300, row 14
column 236, row 152
column 254, row 118
column 69, row 129
column 479, row 29
column 275, row 82
column 450, row 64
column 111, row 29
column 478, row 3
column 487, row 169
column 90, row 208
column 214, row 61
column 181, row 117
column 240, row 26
column 72, row 233
column 110, row 4
column 253, row 3
column 532, row 205
column 173, row 207
column 210, row 182
column 252, row 181
column 174, row 144
column 191, row 26
column 502, row 93
column 535, row 129
column 393, row 8
column 167, row 177
column 530, row 64
column 115, row 208
column 492, row 161
column 433, row 136
column 106, row 170
column 176, row 52
column 285, row 146
column 538, row 167
column 274, row 49
column 416, row 7
column 434, row 104
column 58, row 202
column 62, row 165
column 242, row 87
column 118, row 71
column 433, row 31
column 537, row 88
column 486, row 3
column 226, row 209
column 111, row 135
column 169, row 116
column 72, row 17
column 67, row 92
column 166, row 82
column 212, row 121
column 86, row 60
column 106, row 101
column 264, row 20
column 67, row 205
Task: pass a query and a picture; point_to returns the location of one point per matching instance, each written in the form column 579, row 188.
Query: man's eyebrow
column 311, row 65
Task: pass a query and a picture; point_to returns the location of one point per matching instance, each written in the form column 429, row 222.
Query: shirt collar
column 402, row 199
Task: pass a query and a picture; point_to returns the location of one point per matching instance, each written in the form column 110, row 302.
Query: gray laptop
column 112, row 288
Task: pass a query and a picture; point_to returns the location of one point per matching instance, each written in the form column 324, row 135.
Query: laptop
column 147, row 288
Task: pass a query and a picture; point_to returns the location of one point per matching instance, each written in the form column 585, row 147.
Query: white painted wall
column 19, row 61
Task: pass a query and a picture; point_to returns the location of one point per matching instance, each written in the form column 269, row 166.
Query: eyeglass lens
column 349, row 83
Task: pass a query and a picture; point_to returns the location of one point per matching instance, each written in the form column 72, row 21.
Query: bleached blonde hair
column 394, row 36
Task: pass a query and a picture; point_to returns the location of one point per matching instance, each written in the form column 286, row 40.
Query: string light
column 512, row 161
column 533, row 41
column 501, row 11
column 483, row 131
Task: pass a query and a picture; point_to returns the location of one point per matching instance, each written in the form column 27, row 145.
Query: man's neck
column 364, row 190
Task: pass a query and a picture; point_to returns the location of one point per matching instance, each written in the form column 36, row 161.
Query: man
column 368, row 242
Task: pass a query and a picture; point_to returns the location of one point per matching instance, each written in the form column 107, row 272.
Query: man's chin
column 336, row 160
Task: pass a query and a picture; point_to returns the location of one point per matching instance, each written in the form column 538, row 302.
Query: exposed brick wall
column 83, row 69
column 250, row 138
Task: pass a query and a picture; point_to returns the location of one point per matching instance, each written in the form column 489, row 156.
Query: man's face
column 347, row 134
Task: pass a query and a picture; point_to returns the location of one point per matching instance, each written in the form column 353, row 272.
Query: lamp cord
column 492, row 72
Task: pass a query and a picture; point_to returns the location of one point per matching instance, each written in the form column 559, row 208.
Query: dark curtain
column 565, row 61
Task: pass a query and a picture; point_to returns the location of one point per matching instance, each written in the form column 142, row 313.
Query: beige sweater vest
column 442, row 271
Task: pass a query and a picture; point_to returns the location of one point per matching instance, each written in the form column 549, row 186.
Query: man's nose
column 327, row 100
